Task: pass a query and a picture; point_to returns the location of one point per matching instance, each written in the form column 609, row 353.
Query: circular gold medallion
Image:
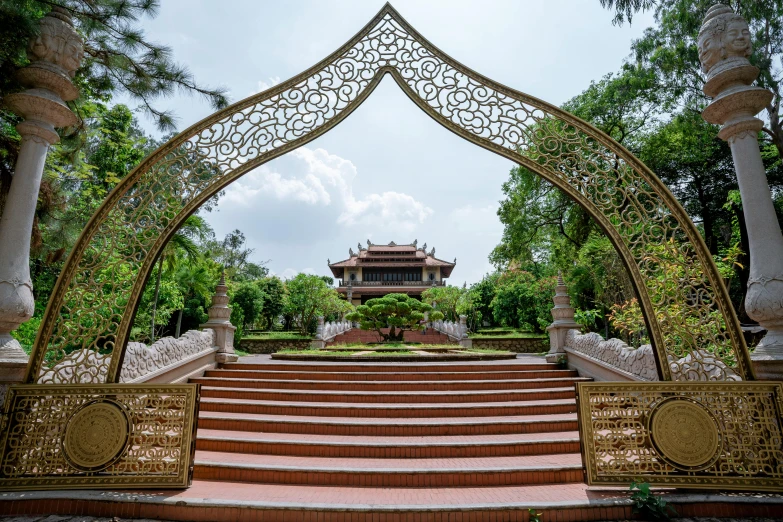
column 96, row 435
column 685, row 434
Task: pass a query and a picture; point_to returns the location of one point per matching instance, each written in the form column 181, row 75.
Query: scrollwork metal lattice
column 621, row 442
column 688, row 314
column 157, row 447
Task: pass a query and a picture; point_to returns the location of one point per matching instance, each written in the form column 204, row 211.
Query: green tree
column 119, row 60
column 518, row 301
column 308, row 297
column 182, row 245
column 250, row 299
column 445, row 299
column 669, row 52
column 274, row 296
column 197, row 282
column 398, row 312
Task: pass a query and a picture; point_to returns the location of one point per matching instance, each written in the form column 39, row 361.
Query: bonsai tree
column 398, row 312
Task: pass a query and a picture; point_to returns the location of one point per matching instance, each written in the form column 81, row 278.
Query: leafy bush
column 648, row 504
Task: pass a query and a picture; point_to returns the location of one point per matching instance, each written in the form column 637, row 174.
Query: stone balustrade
column 457, row 331
column 637, row 362
column 141, row 363
column 327, row 331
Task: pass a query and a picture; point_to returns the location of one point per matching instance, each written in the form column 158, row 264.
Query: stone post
column 219, row 314
column 563, row 315
column 724, row 47
column 319, row 342
column 463, row 332
column 55, row 55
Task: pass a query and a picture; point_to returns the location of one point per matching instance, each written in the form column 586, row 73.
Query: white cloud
column 290, row 273
column 262, row 85
column 327, row 179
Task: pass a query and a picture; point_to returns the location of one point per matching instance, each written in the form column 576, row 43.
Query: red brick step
column 389, row 397
column 388, row 427
column 408, row 472
column 388, row 447
column 384, row 410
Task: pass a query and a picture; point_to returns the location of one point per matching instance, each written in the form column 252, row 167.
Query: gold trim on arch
column 686, row 307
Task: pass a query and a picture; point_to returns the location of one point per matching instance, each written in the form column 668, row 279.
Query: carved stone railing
column 167, row 360
column 170, row 360
column 456, row 331
column 609, row 359
column 327, row 331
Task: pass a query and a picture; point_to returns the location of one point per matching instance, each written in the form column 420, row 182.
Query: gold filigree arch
column 685, row 304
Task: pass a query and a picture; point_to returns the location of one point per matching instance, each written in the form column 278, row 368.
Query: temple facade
column 377, row 270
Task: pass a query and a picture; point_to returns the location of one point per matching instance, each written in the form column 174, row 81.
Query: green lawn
column 485, row 350
column 334, row 353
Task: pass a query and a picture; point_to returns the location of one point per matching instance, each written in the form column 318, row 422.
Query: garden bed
column 393, row 352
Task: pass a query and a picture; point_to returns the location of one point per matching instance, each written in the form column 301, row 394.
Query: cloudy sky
column 388, row 172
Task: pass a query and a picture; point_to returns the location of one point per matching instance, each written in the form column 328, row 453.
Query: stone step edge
column 113, row 497
column 392, row 421
column 316, row 393
column 388, row 405
column 541, row 380
column 395, row 358
column 387, row 368
column 365, row 444
column 389, row 471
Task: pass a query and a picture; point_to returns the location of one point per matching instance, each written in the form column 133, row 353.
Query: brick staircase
column 363, row 336
column 383, row 442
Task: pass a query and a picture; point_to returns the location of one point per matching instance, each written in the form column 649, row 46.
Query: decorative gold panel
column 76, row 436
column 690, row 319
column 705, row 435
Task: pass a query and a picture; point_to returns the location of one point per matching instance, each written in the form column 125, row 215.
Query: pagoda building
column 377, row 270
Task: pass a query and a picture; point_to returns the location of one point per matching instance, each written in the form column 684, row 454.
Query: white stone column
column 724, row 48
column 563, row 315
column 55, row 55
column 219, row 321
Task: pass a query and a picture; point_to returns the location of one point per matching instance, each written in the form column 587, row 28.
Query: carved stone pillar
column 724, row 48
column 55, row 55
column 464, row 341
column 563, row 315
column 319, row 342
column 219, row 321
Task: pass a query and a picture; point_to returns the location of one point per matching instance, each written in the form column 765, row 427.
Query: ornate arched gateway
column 691, row 323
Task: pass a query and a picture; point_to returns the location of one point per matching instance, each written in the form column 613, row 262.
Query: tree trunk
column 155, row 300
column 179, row 323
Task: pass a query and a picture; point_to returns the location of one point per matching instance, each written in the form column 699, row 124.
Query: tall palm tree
column 183, row 245
column 197, row 279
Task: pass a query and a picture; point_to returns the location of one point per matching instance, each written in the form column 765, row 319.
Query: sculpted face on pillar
column 58, row 42
column 724, row 36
